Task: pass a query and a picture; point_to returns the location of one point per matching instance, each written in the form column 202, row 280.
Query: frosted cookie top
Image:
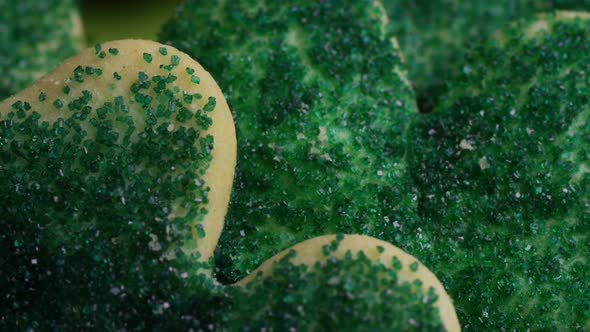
column 504, row 170
column 321, row 106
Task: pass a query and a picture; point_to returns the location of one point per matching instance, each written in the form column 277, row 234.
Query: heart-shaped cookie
column 118, row 168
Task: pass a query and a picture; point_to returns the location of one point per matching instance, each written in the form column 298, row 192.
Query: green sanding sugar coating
column 503, row 167
column 352, row 293
column 91, row 228
column 434, row 35
column 321, row 114
column 35, row 36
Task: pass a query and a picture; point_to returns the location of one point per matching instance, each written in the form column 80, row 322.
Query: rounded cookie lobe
column 123, row 72
column 342, row 281
column 118, row 167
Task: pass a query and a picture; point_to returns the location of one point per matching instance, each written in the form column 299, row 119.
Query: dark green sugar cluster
column 35, row 36
column 321, row 114
column 90, row 236
column 503, row 167
column 435, row 34
column 352, row 293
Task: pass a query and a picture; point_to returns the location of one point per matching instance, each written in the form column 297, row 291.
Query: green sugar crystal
column 503, row 168
column 321, row 113
column 147, row 57
column 35, row 36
